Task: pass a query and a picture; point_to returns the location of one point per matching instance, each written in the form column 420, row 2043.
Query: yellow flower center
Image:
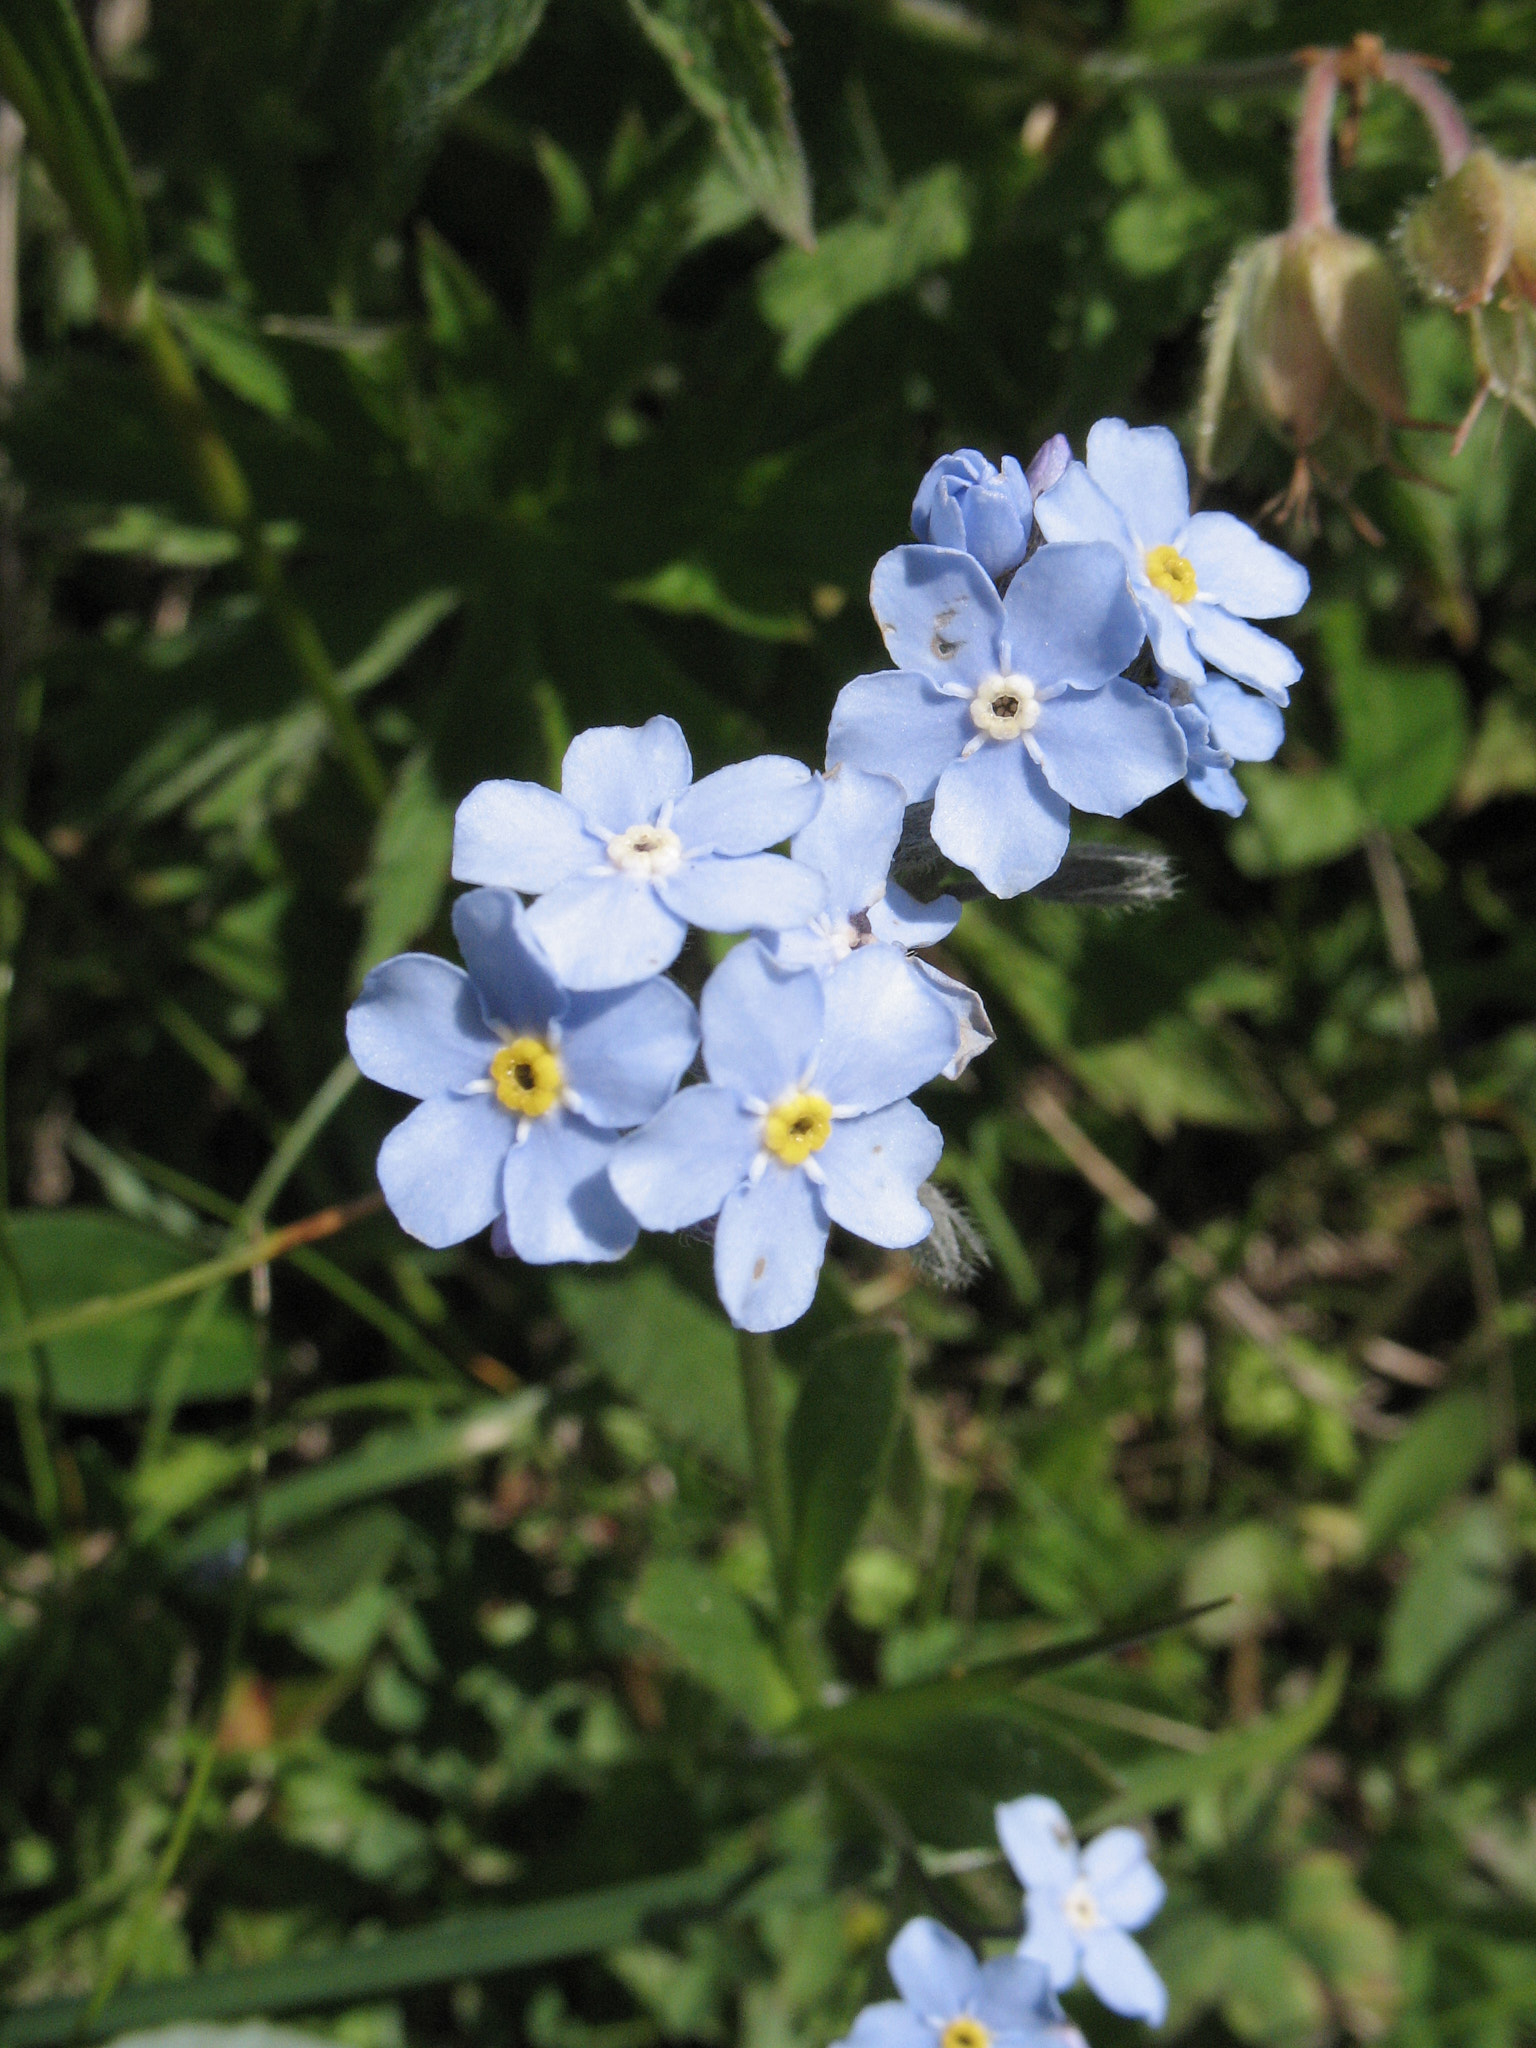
column 645, row 850
column 1169, row 572
column 1005, row 707
column 965, row 2033
column 796, row 1127
column 527, row 1077
column 1080, row 1909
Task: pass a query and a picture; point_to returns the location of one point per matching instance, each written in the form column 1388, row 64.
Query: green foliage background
column 553, row 412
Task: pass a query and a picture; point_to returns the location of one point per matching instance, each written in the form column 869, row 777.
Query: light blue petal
column 1015, row 1995
column 558, row 1200
column 874, row 1166
column 621, row 775
column 746, row 807
column 1109, row 750
column 972, row 1024
column 725, row 894
column 624, row 1051
column 441, row 1169
column 900, row 920
column 519, row 835
column 1241, row 650
column 1049, row 1941
column 997, row 815
column 506, row 963
column 885, row 1032
column 1247, row 727
column 1071, row 617
column 933, row 1970
column 606, row 931
column 1168, row 631
column 938, row 613
column 890, row 2024
column 417, row 1026
column 852, row 837
column 1240, row 572
column 1218, row 789
column 769, row 1244
column 1133, row 1898
column 896, row 723
column 1038, row 1841
column 1141, row 470
column 1075, row 509
column 761, row 1024
column 680, row 1166
column 1119, row 1975
column 962, row 465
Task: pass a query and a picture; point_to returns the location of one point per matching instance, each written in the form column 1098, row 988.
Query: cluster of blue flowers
column 1080, row 1907
column 548, row 1073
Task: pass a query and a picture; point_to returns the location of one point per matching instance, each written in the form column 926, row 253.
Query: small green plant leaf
column 407, row 875
column 710, row 1630
column 835, row 1450
column 1440, row 1452
column 1403, row 728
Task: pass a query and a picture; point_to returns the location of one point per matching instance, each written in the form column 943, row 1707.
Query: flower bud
column 1304, row 339
column 963, row 502
column 1475, row 231
column 1048, row 464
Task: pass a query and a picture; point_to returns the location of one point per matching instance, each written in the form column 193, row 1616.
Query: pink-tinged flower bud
column 1475, row 232
column 1048, row 464
column 1305, row 341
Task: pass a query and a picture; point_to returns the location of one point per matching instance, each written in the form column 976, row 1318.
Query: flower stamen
column 796, row 1126
column 1171, row 573
column 965, row 2032
column 1005, row 707
column 1080, row 1909
column 646, row 850
column 527, row 1077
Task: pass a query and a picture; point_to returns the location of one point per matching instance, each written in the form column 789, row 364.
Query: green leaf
column 1404, row 728
column 1178, row 1072
column 1495, row 1689
column 1350, row 1942
column 47, row 75
column 388, row 1459
column 230, row 350
column 669, row 1354
column 1296, row 821
column 724, row 56
column 449, row 49
column 1452, row 1594
column 1271, row 1994
column 68, row 1254
column 709, row 1628
column 407, row 874
column 463, row 1945
column 1440, row 1452
column 688, row 589
column 1243, row 1753
column 835, row 1449
column 397, row 640
column 806, row 295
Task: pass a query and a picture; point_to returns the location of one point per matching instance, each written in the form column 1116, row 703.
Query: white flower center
column 649, row 850
column 1080, row 1909
column 1005, row 707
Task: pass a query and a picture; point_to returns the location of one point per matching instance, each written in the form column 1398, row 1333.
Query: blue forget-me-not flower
column 629, row 854
column 1198, row 581
column 801, row 1124
column 949, row 2000
column 1008, row 711
column 1222, row 723
column 964, row 502
column 850, row 843
column 1082, row 1903
column 523, row 1086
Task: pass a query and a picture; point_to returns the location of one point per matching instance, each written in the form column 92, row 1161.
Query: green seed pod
column 1458, row 241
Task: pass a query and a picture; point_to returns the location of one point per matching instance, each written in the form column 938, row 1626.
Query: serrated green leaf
column 68, row 1254
column 47, row 75
column 448, row 50
column 407, row 874
column 724, row 56
column 807, row 294
column 463, row 1945
column 668, row 1353
column 1440, row 1452
column 709, row 1628
column 835, row 1450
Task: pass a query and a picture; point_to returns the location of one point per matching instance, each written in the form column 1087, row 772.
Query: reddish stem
column 1312, row 187
column 1445, row 120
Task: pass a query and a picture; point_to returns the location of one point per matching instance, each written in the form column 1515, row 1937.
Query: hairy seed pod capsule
column 1474, row 232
